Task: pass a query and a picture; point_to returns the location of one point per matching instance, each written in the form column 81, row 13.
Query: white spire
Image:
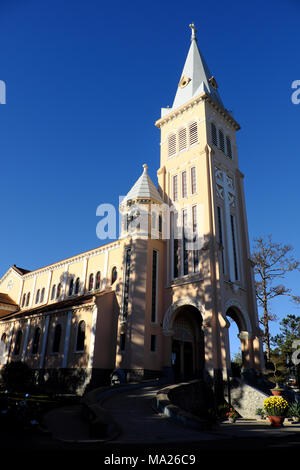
column 195, row 77
column 143, row 188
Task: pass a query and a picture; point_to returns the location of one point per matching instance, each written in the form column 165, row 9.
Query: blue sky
column 85, row 84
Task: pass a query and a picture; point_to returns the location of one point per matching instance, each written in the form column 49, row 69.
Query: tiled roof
column 5, row 299
column 20, row 270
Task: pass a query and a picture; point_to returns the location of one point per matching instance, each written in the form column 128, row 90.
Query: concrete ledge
column 164, row 405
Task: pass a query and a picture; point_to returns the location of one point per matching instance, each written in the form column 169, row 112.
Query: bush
column 17, row 376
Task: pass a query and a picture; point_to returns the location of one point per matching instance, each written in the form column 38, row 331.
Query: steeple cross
column 194, row 31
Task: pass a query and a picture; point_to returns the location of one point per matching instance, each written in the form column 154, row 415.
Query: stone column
column 244, row 337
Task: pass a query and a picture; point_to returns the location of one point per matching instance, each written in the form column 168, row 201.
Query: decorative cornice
column 181, row 109
column 193, row 102
column 74, row 259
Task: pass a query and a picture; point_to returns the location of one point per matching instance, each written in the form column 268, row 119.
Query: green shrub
column 17, row 377
column 294, row 410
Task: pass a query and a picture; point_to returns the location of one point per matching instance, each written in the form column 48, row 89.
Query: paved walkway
column 141, row 427
column 139, row 422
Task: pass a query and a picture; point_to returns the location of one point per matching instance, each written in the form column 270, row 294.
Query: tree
column 289, row 332
column 272, row 261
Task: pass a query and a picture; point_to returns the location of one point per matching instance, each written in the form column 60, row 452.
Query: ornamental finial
column 194, row 31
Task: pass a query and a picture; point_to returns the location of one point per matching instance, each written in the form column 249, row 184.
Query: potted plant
column 260, row 412
column 276, row 408
column 294, row 412
column 232, row 415
column 277, row 390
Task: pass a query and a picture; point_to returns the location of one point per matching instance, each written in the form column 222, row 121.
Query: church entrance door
column 187, row 349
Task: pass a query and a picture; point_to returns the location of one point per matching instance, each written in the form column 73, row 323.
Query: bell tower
column 207, row 253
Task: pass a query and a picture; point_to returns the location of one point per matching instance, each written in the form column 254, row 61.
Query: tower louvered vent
column 221, row 141
column 193, row 133
column 172, row 145
column 182, row 139
column 214, row 134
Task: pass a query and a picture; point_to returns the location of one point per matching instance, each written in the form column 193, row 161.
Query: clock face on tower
column 184, row 81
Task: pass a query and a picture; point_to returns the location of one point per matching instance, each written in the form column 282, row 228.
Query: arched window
column 171, row 145
column 228, row 147
column 37, row 297
column 71, row 286
column 114, row 274
column 91, row 282
column 24, row 300
column 98, row 280
column 193, row 133
column 182, row 139
column 36, row 339
column 18, row 342
column 3, row 345
column 221, row 141
column 214, row 137
column 77, row 286
column 53, row 292
column 27, row 299
column 59, row 289
column 42, row 295
column 80, row 336
column 56, row 339
column 160, row 223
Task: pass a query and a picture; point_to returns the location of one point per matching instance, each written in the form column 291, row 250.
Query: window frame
column 113, row 278
column 18, row 342
column 193, row 174
column 57, row 328
column 36, row 341
column 82, row 339
column 172, row 146
column 184, row 188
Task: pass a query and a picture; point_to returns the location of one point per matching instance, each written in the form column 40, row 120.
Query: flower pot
column 232, row 420
column 276, row 421
column 276, row 391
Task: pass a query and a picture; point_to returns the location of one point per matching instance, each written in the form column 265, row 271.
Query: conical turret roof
column 144, row 188
column 196, row 77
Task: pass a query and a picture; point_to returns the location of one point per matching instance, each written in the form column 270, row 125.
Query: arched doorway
column 237, row 347
column 187, row 343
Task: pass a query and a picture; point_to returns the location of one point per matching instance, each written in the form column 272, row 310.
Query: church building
column 155, row 302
